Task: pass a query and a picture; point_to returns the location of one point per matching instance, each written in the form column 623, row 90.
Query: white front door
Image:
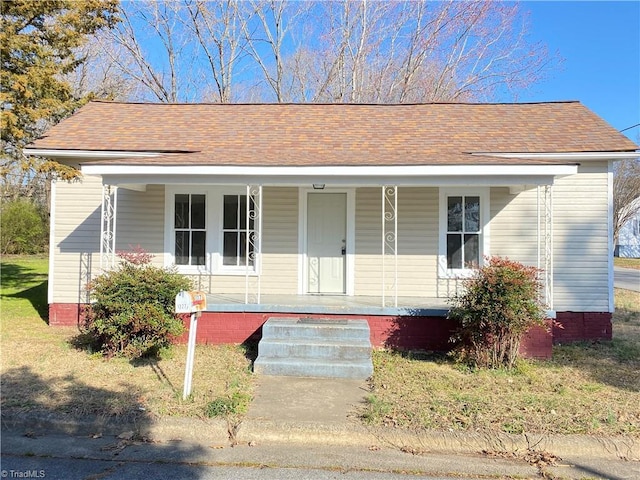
column 326, row 242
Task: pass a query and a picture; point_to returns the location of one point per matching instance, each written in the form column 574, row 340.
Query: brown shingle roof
column 333, row 134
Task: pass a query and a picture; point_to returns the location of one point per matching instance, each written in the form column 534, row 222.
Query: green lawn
column 42, row 370
column 627, row 262
column 589, row 388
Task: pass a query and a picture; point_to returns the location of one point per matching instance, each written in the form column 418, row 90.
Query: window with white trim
column 190, row 233
column 463, row 230
column 207, row 230
column 235, row 232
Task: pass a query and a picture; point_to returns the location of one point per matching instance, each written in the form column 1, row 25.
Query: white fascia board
column 569, row 157
column 334, row 181
column 87, row 154
column 332, row 171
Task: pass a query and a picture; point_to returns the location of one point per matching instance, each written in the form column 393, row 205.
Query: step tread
column 341, row 342
column 312, row 361
column 314, row 333
column 313, row 368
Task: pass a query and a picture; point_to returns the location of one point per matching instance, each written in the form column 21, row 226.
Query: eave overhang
column 408, row 175
column 148, row 167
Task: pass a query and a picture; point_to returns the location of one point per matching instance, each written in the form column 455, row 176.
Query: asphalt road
column 626, row 278
column 25, row 455
column 82, row 469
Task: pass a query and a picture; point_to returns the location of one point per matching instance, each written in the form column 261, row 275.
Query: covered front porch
column 329, row 305
column 404, row 250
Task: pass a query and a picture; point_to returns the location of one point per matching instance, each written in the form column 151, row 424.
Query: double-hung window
column 236, row 232
column 190, row 234
column 463, row 230
column 212, row 230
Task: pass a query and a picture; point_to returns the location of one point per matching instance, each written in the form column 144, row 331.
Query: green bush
column 500, row 302
column 23, row 228
column 236, row 403
column 131, row 313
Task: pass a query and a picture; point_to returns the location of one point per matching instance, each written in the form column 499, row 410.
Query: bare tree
column 349, row 51
column 151, row 47
column 626, row 193
column 266, row 33
column 399, row 52
column 97, row 76
column 218, row 28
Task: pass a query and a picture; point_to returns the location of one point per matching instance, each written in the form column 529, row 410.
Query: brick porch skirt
column 404, row 332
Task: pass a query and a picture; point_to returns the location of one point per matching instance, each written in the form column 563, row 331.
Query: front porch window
column 213, row 230
column 234, row 231
column 190, row 229
column 464, row 230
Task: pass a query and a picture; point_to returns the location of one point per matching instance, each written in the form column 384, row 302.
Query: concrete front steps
column 307, row 347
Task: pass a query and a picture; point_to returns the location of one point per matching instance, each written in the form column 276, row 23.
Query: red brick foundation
column 579, row 326
column 416, row 333
column 538, row 342
column 407, row 333
column 65, row 314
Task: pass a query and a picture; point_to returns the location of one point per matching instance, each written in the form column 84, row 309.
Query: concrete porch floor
column 328, row 305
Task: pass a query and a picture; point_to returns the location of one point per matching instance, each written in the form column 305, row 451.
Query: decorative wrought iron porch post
column 253, row 244
column 545, row 240
column 390, row 243
column 108, row 226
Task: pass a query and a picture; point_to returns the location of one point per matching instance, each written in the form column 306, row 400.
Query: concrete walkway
column 626, row 278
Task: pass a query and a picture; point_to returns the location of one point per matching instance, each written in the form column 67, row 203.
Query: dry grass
column 586, row 388
column 591, row 388
column 627, row 262
column 41, row 369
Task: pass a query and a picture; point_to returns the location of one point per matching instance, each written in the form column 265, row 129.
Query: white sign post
column 193, row 303
column 191, row 352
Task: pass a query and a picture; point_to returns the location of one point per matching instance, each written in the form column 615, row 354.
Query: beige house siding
column 280, row 240
column 514, row 216
column 140, row 221
column 75, row 241
column 581, row 245
column 279, row 249
column 580, row 226
column 417, row 242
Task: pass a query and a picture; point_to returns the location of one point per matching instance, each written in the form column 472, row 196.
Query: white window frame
column 219, row 267
column 190, row 230
column 169, row 238
column 213, row 223
column 484, row 194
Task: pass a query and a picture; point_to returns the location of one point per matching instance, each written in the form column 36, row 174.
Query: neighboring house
column 629, row 237
column 362, row 211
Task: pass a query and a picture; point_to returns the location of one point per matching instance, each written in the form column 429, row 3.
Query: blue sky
column 600, row 45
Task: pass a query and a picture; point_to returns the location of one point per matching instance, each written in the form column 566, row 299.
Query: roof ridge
column 118, row 102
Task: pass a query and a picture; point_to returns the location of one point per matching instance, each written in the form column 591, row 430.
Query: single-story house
column 374, row 212
column 629, row 236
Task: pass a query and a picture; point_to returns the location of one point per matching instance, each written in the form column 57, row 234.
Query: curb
column 158, row 429
column 216, row 431
column 264, row 431
column 612, row 448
